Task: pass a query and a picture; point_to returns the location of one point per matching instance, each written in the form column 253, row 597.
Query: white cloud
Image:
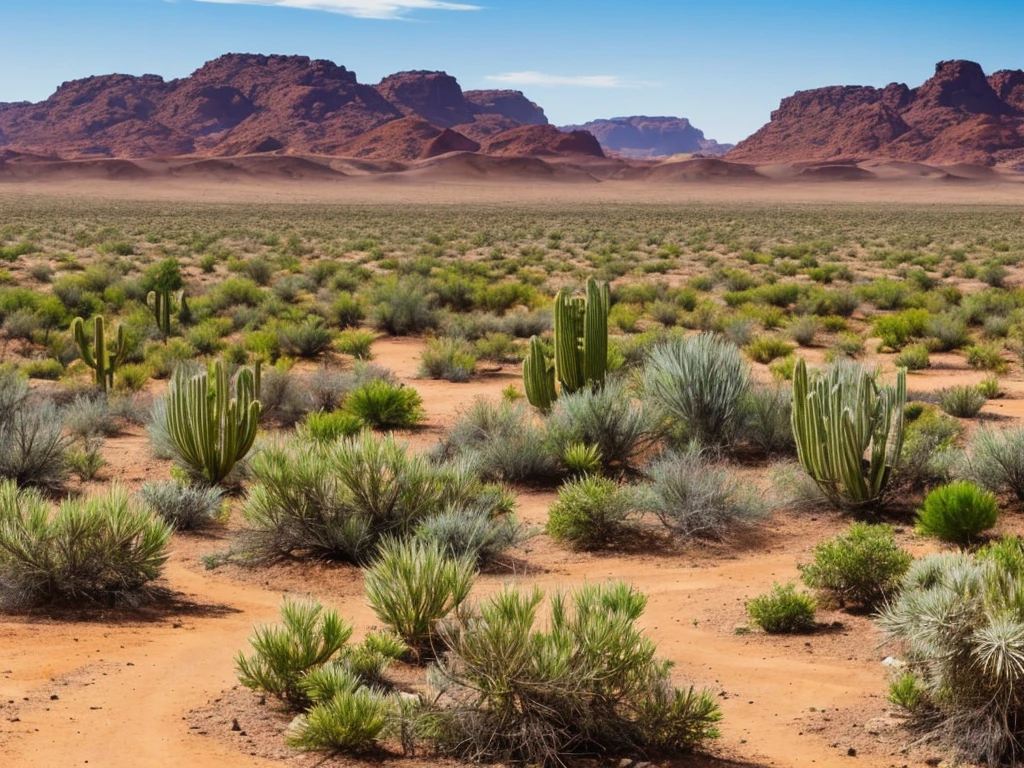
column 362, row 9
column 580, row 81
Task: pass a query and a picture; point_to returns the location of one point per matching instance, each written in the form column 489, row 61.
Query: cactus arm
column 538, row 377
column 595, row 333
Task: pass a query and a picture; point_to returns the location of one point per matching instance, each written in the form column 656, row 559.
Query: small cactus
column 106, row 358
column 161, row 303
column 581, row 347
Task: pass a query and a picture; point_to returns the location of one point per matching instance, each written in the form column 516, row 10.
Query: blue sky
column 724, row 64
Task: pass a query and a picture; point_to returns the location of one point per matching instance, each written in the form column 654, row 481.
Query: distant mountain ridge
column 251, row 103
column 642, row 137
column 959, row 115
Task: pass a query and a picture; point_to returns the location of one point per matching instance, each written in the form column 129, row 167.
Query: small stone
column 234, row 724
column 851, row 752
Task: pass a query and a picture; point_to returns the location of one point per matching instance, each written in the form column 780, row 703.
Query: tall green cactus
column 580, row 347
column 211, row 430
column 161, row 303
column 848, row 431
column 106, row 358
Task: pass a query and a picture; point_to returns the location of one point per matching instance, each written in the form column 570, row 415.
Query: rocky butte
column 249, row 104
column 959, row 115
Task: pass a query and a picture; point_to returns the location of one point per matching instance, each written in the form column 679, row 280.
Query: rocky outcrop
column 957, row 116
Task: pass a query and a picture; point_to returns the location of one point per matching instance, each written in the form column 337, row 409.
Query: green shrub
column 479, row 534
column 589, row 513
column 609, row 418
column 101, row 549
column 308, row 637
column 768, row 418
column 893, row 331
column 48, row 369
column 182, row 505
column 913, row 358
column 766, row 349
column 403, row 307
column 961, row 401
column 989, row 387
column 307, row 340
column 448, row 359
column 861, row 567
column 957, row 512
column 85, row 460
column 699, row 382
column 987, row 357
column 33, row 446
column 503, row 441
column 383, row 405
column 695, row 499
column 582, row 459
column 588, row 683
column 929, row 448
column 339, row 500
column 329, row 427
column 782, row 610
column 346, row 718
column 947, row 333
column 906, row 691
column 415, row 584
column 346, row 311
column 356, row 343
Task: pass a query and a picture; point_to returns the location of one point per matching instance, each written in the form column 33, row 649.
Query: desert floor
column 116, row 690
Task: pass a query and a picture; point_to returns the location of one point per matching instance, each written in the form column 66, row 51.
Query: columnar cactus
column 848, row 431
column 161, row 304
column 580, row 347
column 212, row 430
column 106, row 358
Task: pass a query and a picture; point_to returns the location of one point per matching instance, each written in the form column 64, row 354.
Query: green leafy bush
column 782, row 610
column 383, row 405
column 413, row 585
column 861, row 567
column 356, row 343
column 346, row 718
column 328, row 427
column 957, row 512
column 309, row 339
column 102, row 549
column 589, row 512
column 588, row 683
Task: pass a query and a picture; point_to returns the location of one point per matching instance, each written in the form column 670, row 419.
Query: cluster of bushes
column 503, row 688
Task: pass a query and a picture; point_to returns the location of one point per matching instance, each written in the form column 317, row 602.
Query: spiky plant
column 700, row 383
column 588, row 683
column 415, row 584
column 102, row 355
column 959, row 620
column 211, row 428
column 840, row 416
column 308, row 636
column 580, row 347
column 102, row 549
